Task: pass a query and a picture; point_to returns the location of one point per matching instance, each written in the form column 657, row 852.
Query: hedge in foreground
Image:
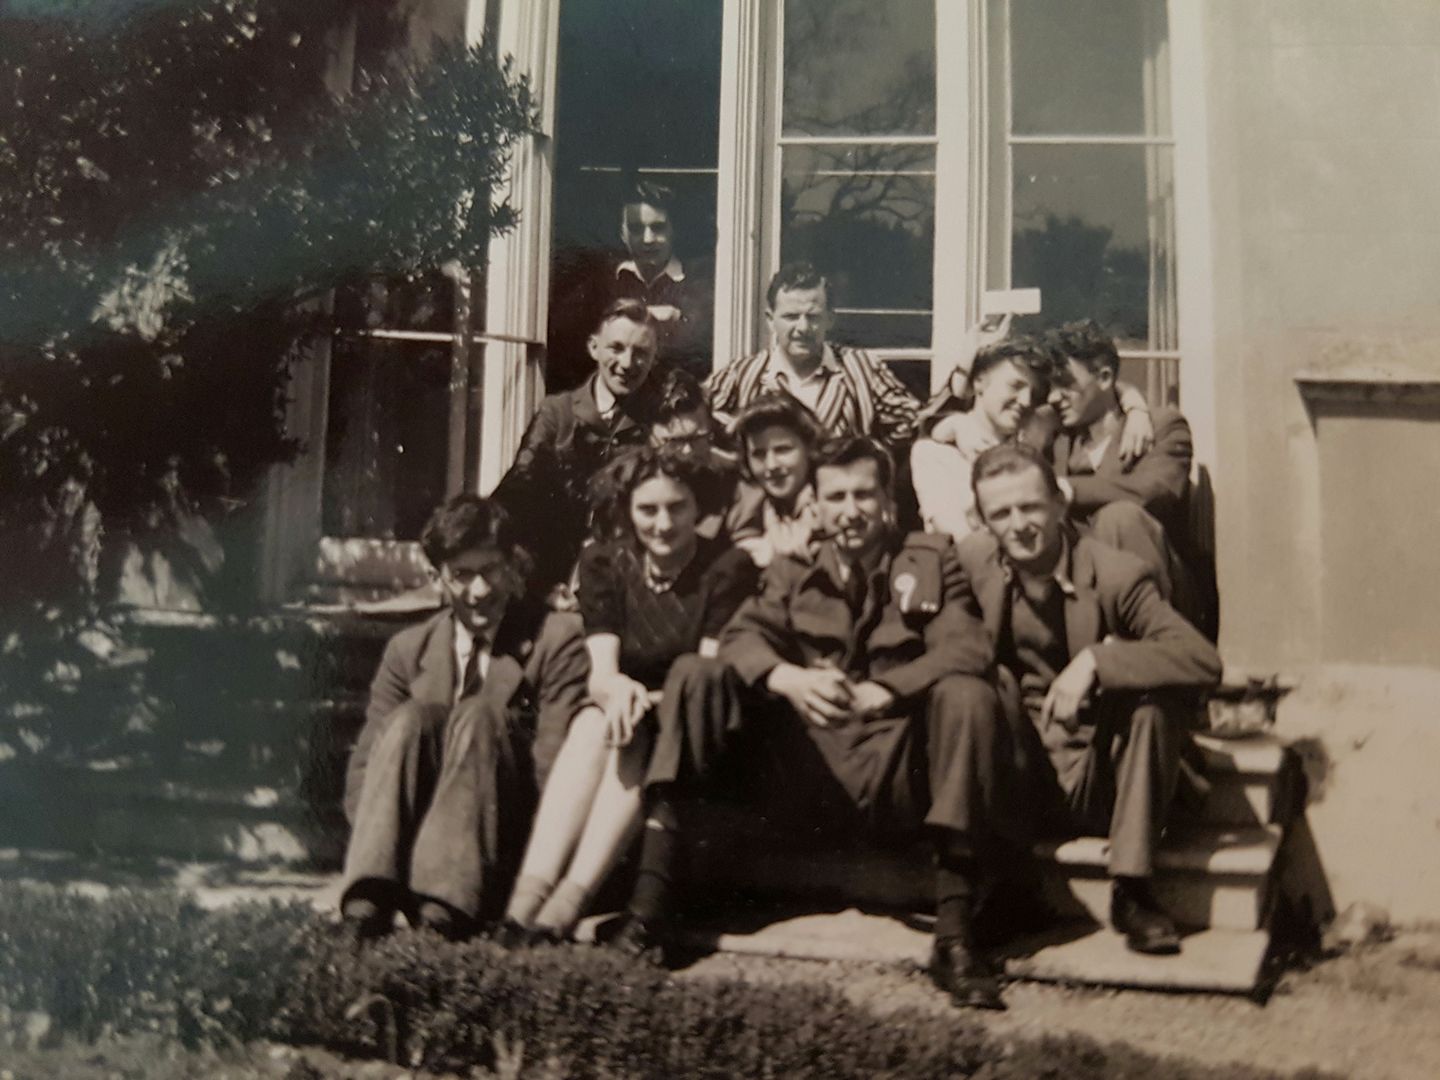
column 154, row 962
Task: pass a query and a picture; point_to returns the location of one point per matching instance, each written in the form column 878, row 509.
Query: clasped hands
column 825, row 696
column 624, row 703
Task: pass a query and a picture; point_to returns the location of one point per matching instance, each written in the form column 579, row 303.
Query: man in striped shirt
column 850, row 391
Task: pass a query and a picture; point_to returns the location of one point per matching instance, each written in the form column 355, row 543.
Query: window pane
column 865, row 215
column 1092, row 228
column 638, row 98
column 1158, row 377
column 857, row 67
column 1089, row 67
column 414, row 302
column 387, row 441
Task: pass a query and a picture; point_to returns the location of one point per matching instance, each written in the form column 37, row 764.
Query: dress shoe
column 1136, row 913
column 512, row 935
column 961, row 973
column 441, row 919
column 365, row 920
column 636, row 938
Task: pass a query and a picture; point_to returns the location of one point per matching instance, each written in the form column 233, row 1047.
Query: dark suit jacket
column 915, row 628
column 1139, row 641
column 1159, row 481
column 538, row 667
column 547, row 488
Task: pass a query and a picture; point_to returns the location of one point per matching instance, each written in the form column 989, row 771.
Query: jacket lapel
column 435, row 679
column 1083, row 620
column 503, row 680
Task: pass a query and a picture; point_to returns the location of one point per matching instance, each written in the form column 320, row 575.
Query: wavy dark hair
column 775, row 410
column 470, row 521
column 616, row 482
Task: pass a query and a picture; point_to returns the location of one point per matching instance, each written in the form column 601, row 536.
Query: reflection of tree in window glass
column 862, row 208
column 856, row 67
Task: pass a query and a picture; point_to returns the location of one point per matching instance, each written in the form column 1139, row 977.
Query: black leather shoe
column 1136, row 913
column 511, row 935
column 632, row 936
column 365, row 920
column 969, row 980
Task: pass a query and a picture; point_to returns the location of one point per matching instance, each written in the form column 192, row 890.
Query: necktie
column 470, row 680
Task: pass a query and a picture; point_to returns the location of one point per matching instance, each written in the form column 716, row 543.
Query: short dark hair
column 625, row 308
column 777, row 409
column 678, row 394
column 616, row 482
column 1087, row 344
column 843, row 450
column 1009, row 458
column 651, row 193
column 470, row 521
column 798, row 275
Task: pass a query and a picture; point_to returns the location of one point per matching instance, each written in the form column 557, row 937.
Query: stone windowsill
column 1392, row 384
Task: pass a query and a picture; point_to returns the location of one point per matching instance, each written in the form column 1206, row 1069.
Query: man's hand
column 1137, row 437
column 624, row 703
column 822, row 695
column 1068, row 692
column 869, row 699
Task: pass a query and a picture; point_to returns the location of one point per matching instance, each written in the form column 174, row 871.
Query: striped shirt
column 859, row 395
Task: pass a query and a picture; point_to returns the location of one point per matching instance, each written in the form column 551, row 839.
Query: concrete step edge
column 1245, row 851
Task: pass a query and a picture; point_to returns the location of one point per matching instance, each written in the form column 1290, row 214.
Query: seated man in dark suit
column 466, row 713
column 1097, row 677
column 575, row 432
column 854, row 672
column 1140, row 506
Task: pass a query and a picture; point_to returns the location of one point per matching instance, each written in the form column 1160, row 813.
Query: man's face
column 645, row 230
column 779, row 461
column 479, row 584
column 852, row 506
column 624, row 351
column 1023, row 515
column 1082, row 397
column 799, row 322
column 687, row 433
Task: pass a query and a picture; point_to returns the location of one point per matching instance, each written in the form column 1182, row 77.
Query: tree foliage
column 177, row 179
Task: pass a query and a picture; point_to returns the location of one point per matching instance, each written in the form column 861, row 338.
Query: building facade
column 1236, row 188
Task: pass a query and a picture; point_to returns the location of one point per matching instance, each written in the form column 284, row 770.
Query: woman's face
column 779, row 460
column 1004, row 394
column 663, row 514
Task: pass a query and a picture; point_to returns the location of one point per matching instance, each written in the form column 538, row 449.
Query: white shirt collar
column 672, row 269
column 605, row 401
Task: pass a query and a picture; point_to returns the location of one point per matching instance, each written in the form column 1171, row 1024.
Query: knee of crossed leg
column 417, row 720
column 965, row 699
column 690, row 669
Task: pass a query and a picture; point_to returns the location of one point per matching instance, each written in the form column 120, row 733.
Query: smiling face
column 646, row 232
column 800, row 322
column 1023, row 515
column 853, row 506
column 624, row 353
column 663, row 513
column 479, row 584
column 1083, row 396
column 779, row 460
column 1004, row 393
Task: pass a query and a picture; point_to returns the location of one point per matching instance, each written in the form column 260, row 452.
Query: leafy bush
column 149, row 962
column 179, row 186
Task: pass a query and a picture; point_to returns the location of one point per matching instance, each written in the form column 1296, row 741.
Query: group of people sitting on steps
column 680, row 593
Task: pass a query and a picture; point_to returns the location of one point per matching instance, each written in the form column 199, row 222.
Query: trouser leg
column 698, row 719
column 971, row 762
column 469, row 844
column 394, row 794
column 1128, row 784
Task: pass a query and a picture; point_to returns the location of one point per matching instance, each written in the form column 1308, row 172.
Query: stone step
column 1249, row 781
column 1221, row 961
column 1206, row 877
